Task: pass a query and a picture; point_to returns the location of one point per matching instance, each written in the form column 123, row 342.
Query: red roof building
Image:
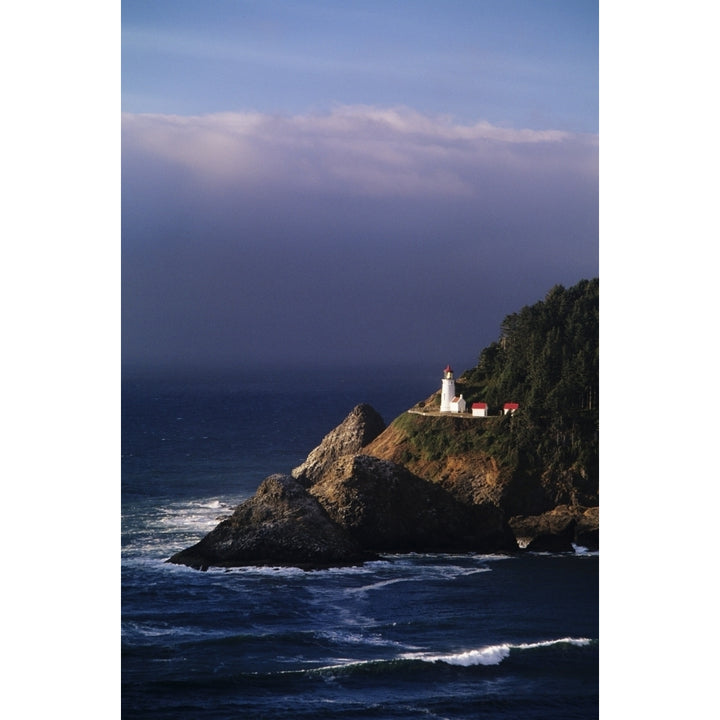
column 510, row 408
column 479, row 409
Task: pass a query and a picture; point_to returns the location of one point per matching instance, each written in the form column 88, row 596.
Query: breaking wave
column 492, row 654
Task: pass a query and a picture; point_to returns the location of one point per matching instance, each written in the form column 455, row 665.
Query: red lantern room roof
column 448, row 369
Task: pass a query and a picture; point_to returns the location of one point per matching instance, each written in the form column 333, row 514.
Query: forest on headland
column 547, row 360
column 547, row 355
column 547, row 452
column 446, row 482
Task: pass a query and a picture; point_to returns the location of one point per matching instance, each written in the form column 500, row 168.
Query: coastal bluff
column 350, row 502
column 503, row 458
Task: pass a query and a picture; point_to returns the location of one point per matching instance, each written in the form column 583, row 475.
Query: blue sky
column 516, row 63
column 357, row 182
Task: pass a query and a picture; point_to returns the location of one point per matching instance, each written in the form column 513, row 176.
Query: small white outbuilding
column 457, row 404
column 479, row 409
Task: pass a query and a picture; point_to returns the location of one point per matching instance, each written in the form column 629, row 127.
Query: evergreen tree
column 546, row 359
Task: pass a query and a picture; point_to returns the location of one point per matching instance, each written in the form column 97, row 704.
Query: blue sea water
column 409, row 636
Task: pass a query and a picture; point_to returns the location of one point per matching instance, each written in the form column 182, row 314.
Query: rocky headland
column 359, row 428
column 282, row 524
column 351, row 501
column 522, row 477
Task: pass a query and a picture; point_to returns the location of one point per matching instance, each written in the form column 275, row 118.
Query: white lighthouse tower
column 448, row 390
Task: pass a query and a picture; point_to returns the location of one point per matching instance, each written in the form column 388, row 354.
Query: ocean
column 455, row 636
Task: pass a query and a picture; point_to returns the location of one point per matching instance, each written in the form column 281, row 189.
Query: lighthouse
column 448, row 389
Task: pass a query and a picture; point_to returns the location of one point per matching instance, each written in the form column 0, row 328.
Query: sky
column 355, row 183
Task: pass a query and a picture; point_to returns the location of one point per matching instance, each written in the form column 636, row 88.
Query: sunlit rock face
column 359, row 428
column 388, row 509
column 559, row 529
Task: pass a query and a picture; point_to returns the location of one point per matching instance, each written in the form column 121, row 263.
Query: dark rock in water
column 359, row 428
column 280, row 525
column 587, row 533
column 386, row 508
column 554, row 542
column 558, row 530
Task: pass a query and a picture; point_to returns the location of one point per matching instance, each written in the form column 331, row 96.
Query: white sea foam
column 262, row 570
column 475, row 572
column 585, row 552
column 367, row 568
column 210, row 504
column 200, row 515
column 138, row 630
column 579, row 642
column 361, row 637
column 376, row 585
column 422, row 567
column 336, row 664
column 491, row 654
column 161, row 531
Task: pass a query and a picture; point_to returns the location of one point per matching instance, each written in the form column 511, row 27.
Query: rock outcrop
column 386, row 508
column 453, row 452
column 360, row 427
column 558, row 530
column 471, row 475
column 280, row 525
column 550, row 511
column 367, row 489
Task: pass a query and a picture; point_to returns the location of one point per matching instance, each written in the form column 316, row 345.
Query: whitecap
column 547, row 643
column 491, row 654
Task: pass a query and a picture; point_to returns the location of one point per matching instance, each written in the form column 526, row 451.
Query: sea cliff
column 522, row 477
column 347, row 504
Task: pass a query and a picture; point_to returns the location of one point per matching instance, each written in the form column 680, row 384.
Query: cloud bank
column 358, row 150
column 363, row 234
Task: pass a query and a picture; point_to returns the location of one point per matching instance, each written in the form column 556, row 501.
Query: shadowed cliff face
column 280, row 525
column 549, row 510
column 388, row 509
